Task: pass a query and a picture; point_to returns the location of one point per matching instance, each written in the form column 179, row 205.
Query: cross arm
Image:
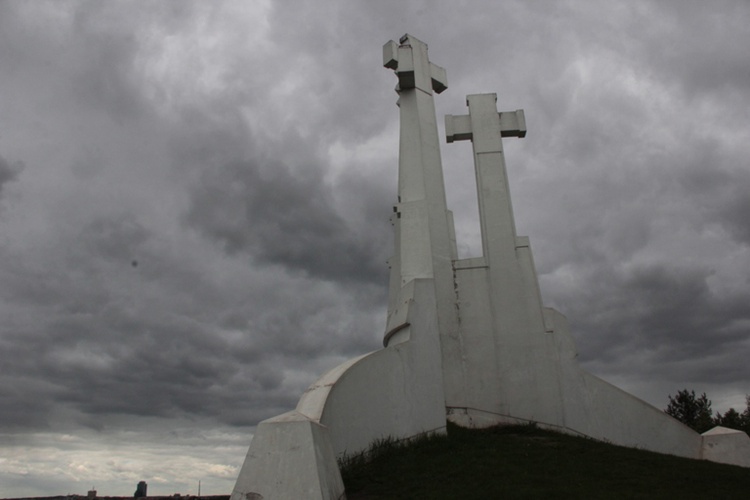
column 458, row 128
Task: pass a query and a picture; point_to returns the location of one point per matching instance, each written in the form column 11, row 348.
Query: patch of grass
column 528, row 462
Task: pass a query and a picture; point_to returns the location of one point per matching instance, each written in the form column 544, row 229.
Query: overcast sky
column 194, row 203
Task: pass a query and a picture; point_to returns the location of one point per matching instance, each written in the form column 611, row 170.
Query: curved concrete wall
column 394, row 392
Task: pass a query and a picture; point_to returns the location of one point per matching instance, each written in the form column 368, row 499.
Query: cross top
column 483, row 113
column 414, row 70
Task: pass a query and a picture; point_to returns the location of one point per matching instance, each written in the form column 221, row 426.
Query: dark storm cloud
column 289, row 219
column 736, row 212
column 722, row 195
column 103, row 354
column 696, row 54
column 27, row 402
column 8, row 172
column 90, row 54
column 341, row 74
column 163, row 338
column 122, row 320
column 667, row 325
column 160, row 355
column 107, row 78
column 117, row 238
column 645, row 286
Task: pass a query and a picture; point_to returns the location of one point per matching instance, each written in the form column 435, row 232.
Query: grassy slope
column 526, row 462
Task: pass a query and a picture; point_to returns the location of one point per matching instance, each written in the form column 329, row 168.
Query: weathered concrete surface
column 396, row 391
column 516, row 357
column 727, row 446
column 290, row 458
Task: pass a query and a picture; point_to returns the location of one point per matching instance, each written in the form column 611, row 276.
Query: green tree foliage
column 733, row 419
column 695, row 412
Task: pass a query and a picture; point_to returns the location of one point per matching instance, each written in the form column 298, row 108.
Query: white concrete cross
column 425, row 241
column 485, row 127
column 458, row 128
column 423, row 75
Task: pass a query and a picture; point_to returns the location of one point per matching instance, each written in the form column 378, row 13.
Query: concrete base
column 728, row 446
column 290, row 458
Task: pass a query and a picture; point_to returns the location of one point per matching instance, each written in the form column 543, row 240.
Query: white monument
column 467, row 340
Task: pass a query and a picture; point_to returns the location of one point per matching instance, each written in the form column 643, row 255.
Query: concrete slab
column 728, row 446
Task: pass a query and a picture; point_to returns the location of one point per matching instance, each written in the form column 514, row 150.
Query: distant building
column 141, row 491
column 91, row 495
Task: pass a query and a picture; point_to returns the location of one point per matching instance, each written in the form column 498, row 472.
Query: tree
column 691, row 411
column 746, row 415
column 731, row 419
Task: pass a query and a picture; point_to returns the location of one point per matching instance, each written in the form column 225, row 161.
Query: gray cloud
column 721, row 195
column 696, row 53
column 9, row 172
column 289, row 219
column 665, row 319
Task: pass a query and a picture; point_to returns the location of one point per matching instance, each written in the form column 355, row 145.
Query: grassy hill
column 526, row 462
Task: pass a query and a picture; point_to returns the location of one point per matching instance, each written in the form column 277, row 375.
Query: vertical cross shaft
column 425, row 241
column 485, row 127
column 505, row 254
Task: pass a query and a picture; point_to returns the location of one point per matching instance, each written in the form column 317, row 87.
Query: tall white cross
column 501, row 247
column 485, row 127
column 425, row 241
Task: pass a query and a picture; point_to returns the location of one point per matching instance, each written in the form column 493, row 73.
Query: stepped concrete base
column 728, row 446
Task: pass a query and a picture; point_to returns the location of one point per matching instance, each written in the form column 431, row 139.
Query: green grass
column 527, row 462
